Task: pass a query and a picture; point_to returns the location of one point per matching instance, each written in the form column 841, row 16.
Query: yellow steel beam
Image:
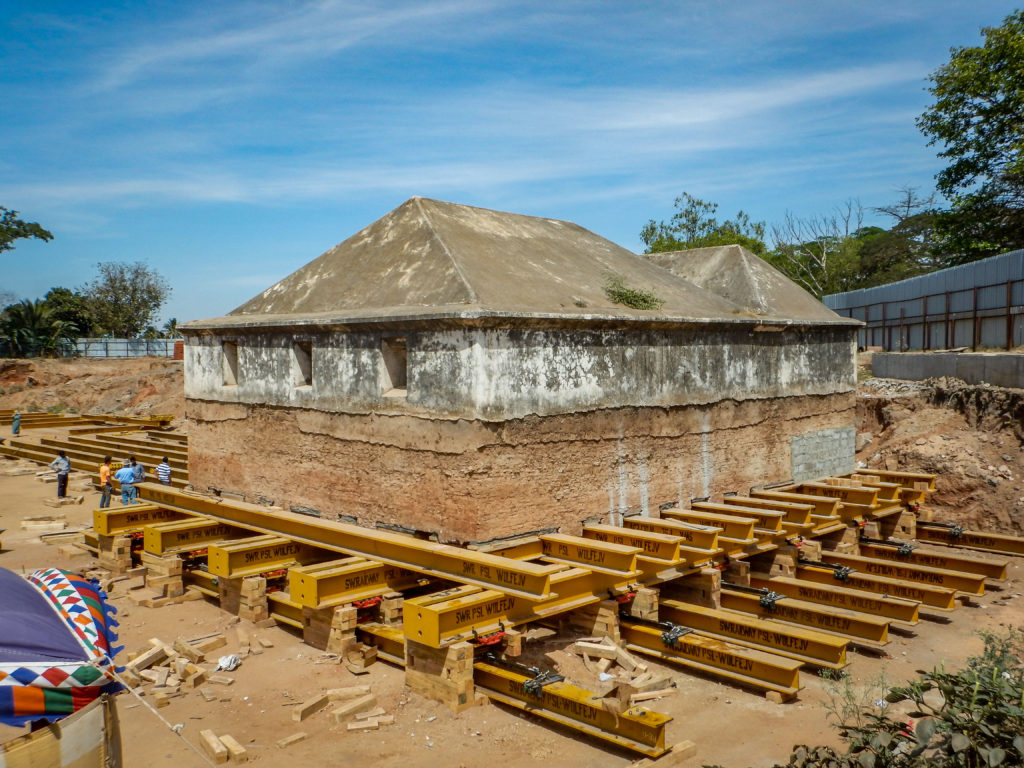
column 799, row 514
column 454, row 614
column 858, row 628
column 600, row 556
column 739, row 663
column 259, row 554
column 912, row 480
column 343, row 581
column 733, row 526
column 824, row 507
column 698, row 537
column 988, row 542
column 637, row 729
column 284, row 610
column 892, row 608
column 523, row 579
column 655, row 546
column 184, row 535
column 134, row 517
column 802, row 644
column 766, row 519
column 201, row 580
column 388, row 640
column 967, row 583
column 860, row 495
column 990, row 569
column 886, row 491
column 940, row 598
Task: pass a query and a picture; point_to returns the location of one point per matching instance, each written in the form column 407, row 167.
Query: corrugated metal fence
column 973, row 305
column 125, row 347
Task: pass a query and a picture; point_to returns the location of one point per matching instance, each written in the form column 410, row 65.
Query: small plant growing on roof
column 618, row 292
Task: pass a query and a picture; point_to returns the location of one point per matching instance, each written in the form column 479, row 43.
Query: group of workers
column 131, row 473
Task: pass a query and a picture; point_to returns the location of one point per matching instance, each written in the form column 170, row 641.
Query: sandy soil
column 731, row 726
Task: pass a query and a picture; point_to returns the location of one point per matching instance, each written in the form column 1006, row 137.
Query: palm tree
column 31, row 328
column 171, row 329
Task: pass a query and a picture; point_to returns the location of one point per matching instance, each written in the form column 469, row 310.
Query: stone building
column 463, row 372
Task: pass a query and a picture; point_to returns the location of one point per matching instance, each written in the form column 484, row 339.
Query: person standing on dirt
column 125, row 476
column 138, row 475
column 16, row 423
column 62, row 467
column 106, row 489
column 163, row 472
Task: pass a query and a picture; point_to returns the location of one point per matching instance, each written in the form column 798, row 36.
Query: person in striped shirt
column 163, row 472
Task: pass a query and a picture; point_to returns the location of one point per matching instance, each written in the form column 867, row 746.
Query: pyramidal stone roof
column 429, row 259
column 736, row 274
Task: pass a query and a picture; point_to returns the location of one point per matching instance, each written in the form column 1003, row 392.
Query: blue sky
column 229, row 143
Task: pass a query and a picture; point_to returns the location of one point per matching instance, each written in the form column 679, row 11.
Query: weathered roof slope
column 736, row 274
column 429, row 257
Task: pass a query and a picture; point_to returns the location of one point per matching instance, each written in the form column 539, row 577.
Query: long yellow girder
column 939, row 598
column 343, row 581
column 655, row 546
column 990, row 569
column 797, row 643
column 766, row 519
column 859, row 628
column 259, row 554
column 739, row 663
column 988, row 542
column 604, row 557
column 637, row 728
column 895, row 609
column 523, row 579
column 968, row 583
column 733, row 526
column 187, row 535
column 698, row 537
column 134, row 517
column 799, row 514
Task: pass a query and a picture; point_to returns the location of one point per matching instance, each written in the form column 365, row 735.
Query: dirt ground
column 731, row 726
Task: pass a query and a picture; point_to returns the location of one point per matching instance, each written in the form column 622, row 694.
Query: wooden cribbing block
column 213, row 746
column 513, row 643
column 352, row 692
column 220, row 679
column 349, row 708
column 209, row 644
column 342, row 633
column 147, row 659
column 287, row 741
column 375, row 712
column 236, row 751
column 317, row 624
column 441, row 674
column 309, row 707
column 191, row 653
column 596, row 649
column 637, row 697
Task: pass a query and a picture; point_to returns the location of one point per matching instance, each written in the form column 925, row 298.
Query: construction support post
column 441, row 674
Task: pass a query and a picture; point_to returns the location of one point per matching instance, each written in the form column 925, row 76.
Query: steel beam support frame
column 522, row 579
column 809, row 646
column 987, row 542
column 188, row 534
column 337, row 582
column 132, row 518
column 967, row 583
column 857, row 628
column 938, row 598
column 637, row 729
column 738, row 663
column 697, row 537
column 990, row 569
column 894, row 609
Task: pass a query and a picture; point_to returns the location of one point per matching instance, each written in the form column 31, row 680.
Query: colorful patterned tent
column 56, row 645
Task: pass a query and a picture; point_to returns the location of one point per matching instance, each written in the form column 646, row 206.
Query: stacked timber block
column 645, row 604
column 391, row 608
column 779, row 562
column 115, row 553
column 597, row 620
column 164, row 574
column 230, row 592
column 738, row 571
column 845, row 541
column 704, row 588
column 444, row 675
column 342, row 634
column 316, row 626
column 901, row 526
column 252, row 599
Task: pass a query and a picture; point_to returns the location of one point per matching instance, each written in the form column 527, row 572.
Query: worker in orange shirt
column 105, row 487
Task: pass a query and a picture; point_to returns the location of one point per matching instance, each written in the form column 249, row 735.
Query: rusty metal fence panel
column 974, row 305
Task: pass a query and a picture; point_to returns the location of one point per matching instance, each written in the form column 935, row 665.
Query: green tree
column 978, row 119
column 12, row 228
column 694, row 226
column 31, row 329
column 170, row 329
column 124, row 297
column 72, row 307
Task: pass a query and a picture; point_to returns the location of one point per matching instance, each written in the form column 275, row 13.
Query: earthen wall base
column 475, row 480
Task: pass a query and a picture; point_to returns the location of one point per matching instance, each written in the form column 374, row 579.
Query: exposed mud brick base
column 471, row 480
